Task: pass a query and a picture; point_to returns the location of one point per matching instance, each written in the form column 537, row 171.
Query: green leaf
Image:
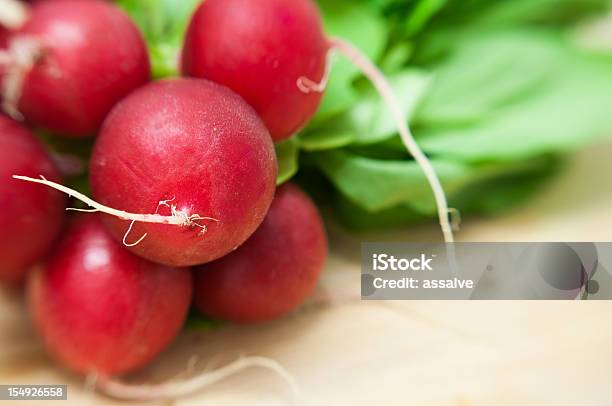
column 396, row 57
column 519, row 11
column 369, row 120
column 550, row 99
column 497, row 195
column 324, row 138
column 491, row 197
column 422, row 13
column 377, row 184
column 163, row 24
column 287, row 155
column 478, row 14
column 363, row 27
column 485, row 72
column 355, row 218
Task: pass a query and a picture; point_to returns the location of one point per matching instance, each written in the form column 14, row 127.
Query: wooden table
column 400, row 353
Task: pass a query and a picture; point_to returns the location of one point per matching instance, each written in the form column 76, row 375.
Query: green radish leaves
column 287, row 153
column 163, row 24
column 531, row 94
column 492, row 99
column 380, row 184
column 368, row 120
column 360, row 24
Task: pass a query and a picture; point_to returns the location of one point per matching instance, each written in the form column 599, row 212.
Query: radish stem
column 383, row 87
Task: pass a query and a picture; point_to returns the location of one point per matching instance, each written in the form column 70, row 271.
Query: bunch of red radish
column 183, row 172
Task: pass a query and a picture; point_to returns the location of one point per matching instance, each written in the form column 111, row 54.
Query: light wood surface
column 400, row 353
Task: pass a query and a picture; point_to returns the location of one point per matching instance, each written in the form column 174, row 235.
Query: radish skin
column 31, row 217
column 259, row 49
column 101, row 309
column 180, row 148
column 72, row 61
column 274, row 271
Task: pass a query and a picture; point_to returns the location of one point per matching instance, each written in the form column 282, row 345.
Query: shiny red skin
column 3, row 37
column 197, row 143
column 93, row 57
column 101, row 309
column 3, row 45
column 31, row 216
column 260, row 49
column 274, row 271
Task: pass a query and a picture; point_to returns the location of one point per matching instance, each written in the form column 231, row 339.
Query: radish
column 259, row 49
column 196, row 158
column 101, row 309
column 274, row 271
column 70, row 63
column 131, row 193
column 274, row 54
column 3, row 37
column 4, row 57
column 30, row 217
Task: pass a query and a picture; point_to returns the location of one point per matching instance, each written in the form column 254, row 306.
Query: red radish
column 274, row 271
column 74, row 60
column 185, row 149
column 273, row 53
column 100, row 308
column 30, row 216
column 260, row 49
column 4, row 56
column 3, row 38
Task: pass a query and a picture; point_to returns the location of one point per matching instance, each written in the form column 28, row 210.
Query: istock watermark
column 481, row 271
column 383, row 262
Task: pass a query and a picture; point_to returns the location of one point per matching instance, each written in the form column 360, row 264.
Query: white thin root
column 22, row 54
column 129, row 230
column 13, row 13
column 177, row 218
column 177, row 389
column 380, row 82
column 307, row 85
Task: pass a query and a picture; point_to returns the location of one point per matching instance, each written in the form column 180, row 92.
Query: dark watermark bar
column 33, row 392
column 487, row 271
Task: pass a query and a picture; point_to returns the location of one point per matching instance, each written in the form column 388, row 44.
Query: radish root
column 383, row 87
column 177, row 218
column 129, row 230
column 307, row 85
column 177, row 389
